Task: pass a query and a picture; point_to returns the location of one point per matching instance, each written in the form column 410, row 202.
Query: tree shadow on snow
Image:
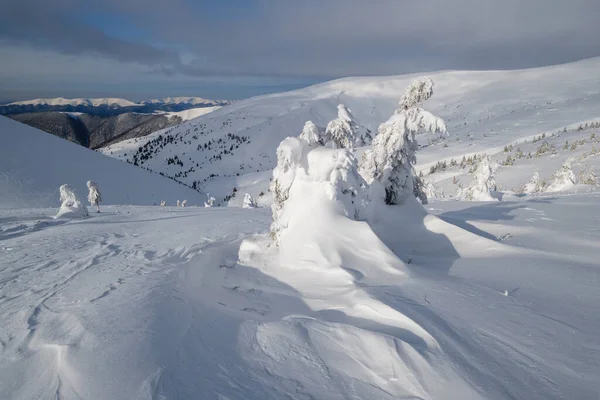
column 402, row 229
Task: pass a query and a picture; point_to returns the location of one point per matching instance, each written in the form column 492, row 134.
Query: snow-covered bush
column 94, row 196
column 249, row 201
column 178, row 203
column 483, row 186
column 312, row 134
column 562, row 179
column 210, row 202
column 314, row 175
column 534, row 185
column 71, row 206
column 184, row 203
column 388, row 164
column 163, row 203
column 344, row 133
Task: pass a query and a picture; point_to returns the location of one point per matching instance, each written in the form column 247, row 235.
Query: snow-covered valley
column 347, row 288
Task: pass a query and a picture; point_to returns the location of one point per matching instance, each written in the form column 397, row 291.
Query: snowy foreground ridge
column 187, row 303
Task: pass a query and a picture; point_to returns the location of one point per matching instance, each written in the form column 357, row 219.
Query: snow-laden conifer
column 483, row 185
column 562, row 179
column 388, row 164
column 94, row 195
column 344, row 133
column 312, row 134
column 534, row 185
column 71, row 206
column 249, row 201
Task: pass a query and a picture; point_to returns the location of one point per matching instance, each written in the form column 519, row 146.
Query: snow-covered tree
column 588, row 177
column 184, row 203
column 344, row 133
column 94, row 196
column 210, row 202
column 430, row 191
column 249, row 201
column 483, row 186
column 163, row 203
column 562, row 179
column 312, row 134
column 178, row 203
column 388, row 164
column 289, row 154
column 417, row 92
column 534, row 185
column 71, row 206
column 309, row 173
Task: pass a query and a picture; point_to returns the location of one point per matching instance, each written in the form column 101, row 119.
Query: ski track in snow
column 190, row 303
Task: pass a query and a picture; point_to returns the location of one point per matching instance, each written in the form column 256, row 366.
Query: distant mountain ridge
column 108, row 106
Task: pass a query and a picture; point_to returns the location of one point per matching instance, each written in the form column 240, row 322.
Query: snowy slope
column 192, row 113
column 149, row 307
column 33, row 164
column 484, row 111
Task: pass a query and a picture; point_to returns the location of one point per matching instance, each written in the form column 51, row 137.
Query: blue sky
column 239, row 48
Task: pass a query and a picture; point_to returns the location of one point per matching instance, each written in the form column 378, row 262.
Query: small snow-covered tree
column 71, row 206
column 483, row 186
column 344, row 133
column 210, row 201
column 389, row 162
column 562, row 179
column 249, row 201
column 178, row 203
column 430, row 191
column 534, row 185
column 588, row 177
column 94, row 196
column 184, row 203
column 163, row 203
column 312, row 134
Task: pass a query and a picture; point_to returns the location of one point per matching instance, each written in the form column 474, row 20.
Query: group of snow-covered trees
column 385, row 173
column 72, row 207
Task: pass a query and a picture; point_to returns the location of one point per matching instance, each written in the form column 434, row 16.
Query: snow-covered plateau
column 348, row 287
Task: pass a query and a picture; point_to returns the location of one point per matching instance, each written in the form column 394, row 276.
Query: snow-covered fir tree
column 534, row 185
column 312, row 134
column 184, row 203
column 430, row 191
column 94, row 196
column 163, row 203
column 562, row 179
column 344, row 133
column 71, row 206
column 388, row 164
column 483, row 185
column 249, row 201
column 210, row 201
column 178, row 203
column 289, row 154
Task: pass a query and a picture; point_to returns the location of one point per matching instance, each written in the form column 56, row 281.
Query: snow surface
column 190, row 303
column 192, row 113
column 483, row 111
column 34, row 164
